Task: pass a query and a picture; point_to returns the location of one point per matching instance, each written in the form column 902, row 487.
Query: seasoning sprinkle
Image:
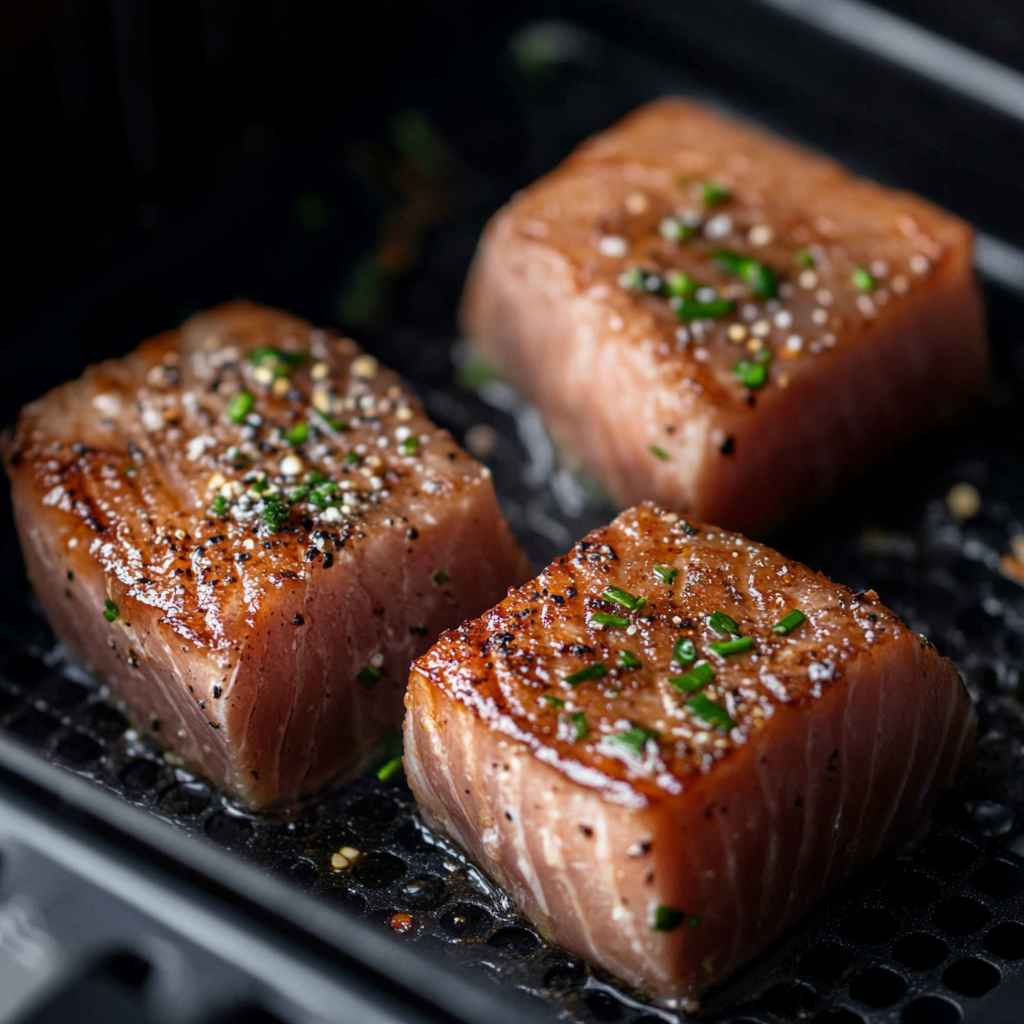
column 607, row 619
column 219, row 505
column 675, row 230
column 863, row 279
column 553, row 702
column 751, row 373
column 440, row 578
column 298, row 434
column 410, row 446
column 658, row 452
column 759, row 277
column 691, row 309
column 634, row 740
column 679, row 285
column 713, row 194
column 274, row 514
column 579, row 724
column 627, row 659
column 666, row 919
column 666, row 573
column 368, row 677
column 789, row 622
column 240, row 406
column 726, row 648
column 696, row 679
column 684, row 651
column 708, row 711
column 596, row 671
column 389, row 769
column 805, row 258
column 622, row 597
column 109, row 610
column 724, row 624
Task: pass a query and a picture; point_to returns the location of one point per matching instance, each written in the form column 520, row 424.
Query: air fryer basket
column 936, row 935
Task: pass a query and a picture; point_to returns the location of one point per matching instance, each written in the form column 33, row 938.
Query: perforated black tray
column 934, row 937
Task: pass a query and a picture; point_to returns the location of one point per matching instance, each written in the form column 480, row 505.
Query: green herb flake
column 579, row 724
column 369, row 676
column 219, row 505
column 298, row 434
column 634, row 740
column 759, row 277
column 675, row 230
column 552, row 701
column 323, row 493
column 635, row 280
column 693, row 922
column 691, row 309
column 658, row 452
column 410, row 446
column 726, row 648
column 708, row 711
column 751, row 374
column 666, row 919
column 282, row 363
column 130, row 471
column 666, row 573
column 713, row 194
column 862, row 279
column 353, row 458
column 627, row 659
column 684, row 651
column 596, row 671
column 607, row 619
column 789, row 622
column 806, row 258
column 696, row 679
column 240, row 406
column 387, row 771
column 261, row 486
column 724, row 624
column 109, row 610
column 274, row 514
column 622, row 597
column 440, row 578
column 680, row 285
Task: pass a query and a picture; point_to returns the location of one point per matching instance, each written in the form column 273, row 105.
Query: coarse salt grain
column 808, row 279
column 291, row 465
column 613, row 245
column 636, row 202
column 920, row 264
column 783, row 319
column 737, row 332
column 719, row 226
column 319, row 371
column 761, row 329
column 365, row 367
column 794, row 343
column 819, row 316
column 900, row 284
column 761, row 234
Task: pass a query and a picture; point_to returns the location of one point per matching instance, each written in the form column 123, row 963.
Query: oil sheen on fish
column 714, row 318
column 249, row 528
column 669, row 744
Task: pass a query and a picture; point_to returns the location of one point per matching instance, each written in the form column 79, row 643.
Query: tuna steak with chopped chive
column 248, row 528
column 709, row 316
column 665, row 793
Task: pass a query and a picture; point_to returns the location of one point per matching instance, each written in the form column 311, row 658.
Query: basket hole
column 371, row 812
column 24, row 670
column 63, row 693
column 869, row 925
column 960, row 915
column 838, row 1015
column 827, row 962
column 228, row 829
column 565, row 975
column 128, row 970
column 930, row 1010
column 186, row 798
column 138, row 776
column 8, row 701
column 33, row 725
column 603, row 1006
column 516, row 941
column 78, row 749
column 1006, row 940
column 878, row 987
column 424, row 891
column 789, row 999
column 920, row 951
column 249, row 1015
column 466, row 921
column 378, row 869
column 911, row 889
column 948, row 853
column 998, row 879
column 971, row 976
column 106, row 722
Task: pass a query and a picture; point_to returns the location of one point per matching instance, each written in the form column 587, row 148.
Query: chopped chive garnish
column 696, row 679
column 109, row 610
column 740, row 645
column 410, row 446
column 353, row 458
column 658, row 452
column 367, row 677
column 713, row 194
column 760, row 278
column 440, row 578
column 675, row 230
column 219, row 505
column 299, row 493
column 240, row 406
column 688, row 528
column 634, row 279
column 708, row 711
column 684, row 651
column 805, row 258
column 666, row 919
column 323, row 493
column 389, row 769
column 281, row 362
column 553, row 702
column 724, row 624
column 298, row 434
column 665, row 573
column 332, row 422
column 579, row 725
column 596, row 671
column 789, row 622
column 678, row 284
column 606, row 619
column 862, row 279
column 274, row 514
column 624, row 598
column 691, row 309
column 751, row 374
column 634, row 740
column 262, row 485
column 627, row 659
